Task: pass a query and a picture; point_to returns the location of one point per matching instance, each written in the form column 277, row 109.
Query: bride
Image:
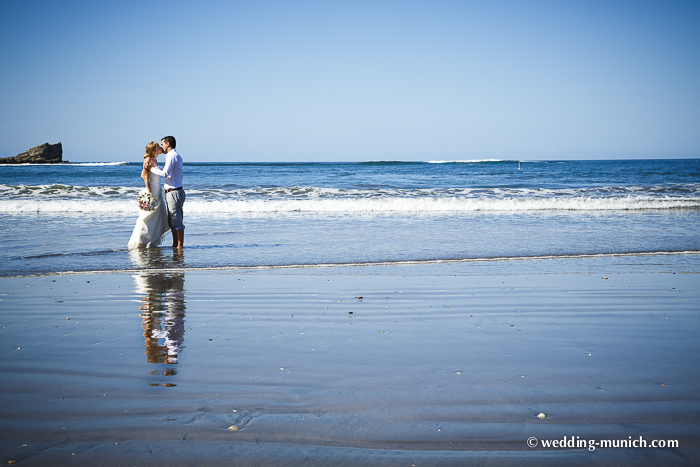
column 151, row 226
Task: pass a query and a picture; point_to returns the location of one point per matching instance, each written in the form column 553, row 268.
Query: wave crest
column 469, row 161
column 105, row 199
column 364, row 205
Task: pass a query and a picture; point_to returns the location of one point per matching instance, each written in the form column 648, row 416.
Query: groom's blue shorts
column 174, row 200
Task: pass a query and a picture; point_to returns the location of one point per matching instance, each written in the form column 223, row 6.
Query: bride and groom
column 152, row 226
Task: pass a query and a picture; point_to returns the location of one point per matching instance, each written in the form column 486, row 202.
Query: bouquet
column 147, row 202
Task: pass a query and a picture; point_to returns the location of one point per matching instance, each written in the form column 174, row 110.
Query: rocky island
column 43, row 154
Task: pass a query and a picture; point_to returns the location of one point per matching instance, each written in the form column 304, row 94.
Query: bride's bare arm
column 145, row 174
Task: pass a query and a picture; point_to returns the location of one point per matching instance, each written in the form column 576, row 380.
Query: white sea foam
column 66, row 198
column 469, row 161
column 68, row 164
column 99, row 164
column 118, row 204
column 64, row 164
column 407, row 205
column 311, row 192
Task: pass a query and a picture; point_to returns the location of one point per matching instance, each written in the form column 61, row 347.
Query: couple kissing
column 161, row 208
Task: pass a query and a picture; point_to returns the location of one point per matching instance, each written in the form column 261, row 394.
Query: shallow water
column 41, row 243
column 79, row 217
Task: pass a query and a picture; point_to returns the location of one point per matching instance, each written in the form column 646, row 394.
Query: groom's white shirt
column 172, row 171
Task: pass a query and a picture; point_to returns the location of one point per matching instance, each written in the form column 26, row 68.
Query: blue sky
column 352, row 81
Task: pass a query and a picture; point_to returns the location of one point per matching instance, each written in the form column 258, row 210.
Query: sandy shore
column 356, row 366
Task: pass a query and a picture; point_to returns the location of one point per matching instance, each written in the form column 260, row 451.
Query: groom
column 172, row 184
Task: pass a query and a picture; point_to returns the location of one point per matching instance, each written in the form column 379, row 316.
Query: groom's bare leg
column 175, row 200
column 180, row 239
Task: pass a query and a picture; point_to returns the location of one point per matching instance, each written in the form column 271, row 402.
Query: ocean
column 78, row 217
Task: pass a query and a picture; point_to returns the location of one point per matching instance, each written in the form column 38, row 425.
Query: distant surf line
column 68, row 164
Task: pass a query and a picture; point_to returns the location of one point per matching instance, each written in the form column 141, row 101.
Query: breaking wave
column 63, row 198
column 470, row 161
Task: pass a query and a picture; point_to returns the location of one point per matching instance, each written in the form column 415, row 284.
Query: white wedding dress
column 151, row 226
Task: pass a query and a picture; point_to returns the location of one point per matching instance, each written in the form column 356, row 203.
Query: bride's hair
column 150, row 149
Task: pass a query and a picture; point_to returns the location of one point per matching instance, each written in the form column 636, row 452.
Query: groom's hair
column 170, row 140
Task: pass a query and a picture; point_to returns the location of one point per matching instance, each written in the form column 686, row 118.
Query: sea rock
column 43, row 154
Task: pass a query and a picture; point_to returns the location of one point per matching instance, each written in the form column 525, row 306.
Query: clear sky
column 352, row 80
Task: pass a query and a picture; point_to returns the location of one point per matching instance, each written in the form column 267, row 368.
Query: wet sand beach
column 411, row 365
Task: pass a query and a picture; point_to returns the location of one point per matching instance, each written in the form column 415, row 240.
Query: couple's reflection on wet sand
column 162, row 309
column 156, row 258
